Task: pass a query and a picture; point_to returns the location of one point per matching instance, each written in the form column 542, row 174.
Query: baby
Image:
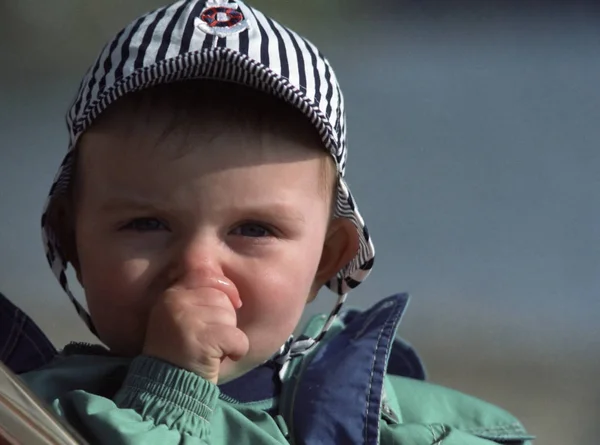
column 202, row 206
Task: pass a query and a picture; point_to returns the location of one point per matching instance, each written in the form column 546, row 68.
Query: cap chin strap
column 303, row 344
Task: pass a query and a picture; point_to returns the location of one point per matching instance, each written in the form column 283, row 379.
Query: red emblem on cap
column 221, row 18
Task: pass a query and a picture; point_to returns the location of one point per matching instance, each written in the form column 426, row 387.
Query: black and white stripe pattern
column 165, row 46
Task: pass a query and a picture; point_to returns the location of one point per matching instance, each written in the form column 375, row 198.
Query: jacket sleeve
column 438, row 433
column 162, row 404
column 23, row 346
column 418, row 412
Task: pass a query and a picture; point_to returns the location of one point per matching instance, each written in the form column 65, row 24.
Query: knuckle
column 240, row 340
column 225, row 316
column 218, row 298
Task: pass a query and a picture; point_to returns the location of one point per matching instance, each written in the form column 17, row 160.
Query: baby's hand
column 195, row 327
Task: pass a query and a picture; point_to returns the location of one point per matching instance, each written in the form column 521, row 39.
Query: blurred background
column 474, row 132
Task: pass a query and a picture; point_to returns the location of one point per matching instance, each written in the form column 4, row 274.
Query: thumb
column 195, row 281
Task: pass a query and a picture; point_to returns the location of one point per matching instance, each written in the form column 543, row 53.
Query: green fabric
column 425, row 411
column 147, row 401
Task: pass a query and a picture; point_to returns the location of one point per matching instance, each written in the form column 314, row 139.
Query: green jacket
column 143, row 400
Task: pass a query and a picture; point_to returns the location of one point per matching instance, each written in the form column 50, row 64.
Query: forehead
column 227, row 124
column 190, row 115
column 154, row 148
column 203, row 165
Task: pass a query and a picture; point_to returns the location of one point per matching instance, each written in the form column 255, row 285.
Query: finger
column 226, row 285
column 219, row 283
column 233, row 342
column 215, row 316
column 202, row 297
column 232, row 292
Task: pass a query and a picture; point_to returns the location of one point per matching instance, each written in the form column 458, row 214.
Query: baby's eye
column 145, row 225
column 252, row 230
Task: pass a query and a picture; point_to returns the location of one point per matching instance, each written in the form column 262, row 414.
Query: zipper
column 387, row 413
column 280, row 421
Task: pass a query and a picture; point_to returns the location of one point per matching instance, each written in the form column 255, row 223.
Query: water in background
column 474, row 159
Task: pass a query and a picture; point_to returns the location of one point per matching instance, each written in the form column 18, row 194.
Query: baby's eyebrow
column 118, row 204
column 281, row 211
column 258, row 211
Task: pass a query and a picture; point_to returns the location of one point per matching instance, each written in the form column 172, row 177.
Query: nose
column 198, row 263
column 194, row 262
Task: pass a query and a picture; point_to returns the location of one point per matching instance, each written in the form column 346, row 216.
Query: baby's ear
column 341, row 245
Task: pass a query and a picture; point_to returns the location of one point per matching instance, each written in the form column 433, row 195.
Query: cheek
column 116, row 292
column 274, row 298
column 281, row 284
column 119, row 283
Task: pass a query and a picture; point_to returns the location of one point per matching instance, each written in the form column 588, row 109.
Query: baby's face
column 158, row 205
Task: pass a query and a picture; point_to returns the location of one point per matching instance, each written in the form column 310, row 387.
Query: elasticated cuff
column 168, row 395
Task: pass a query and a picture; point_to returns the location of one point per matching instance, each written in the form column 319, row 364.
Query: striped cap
column 219, row 40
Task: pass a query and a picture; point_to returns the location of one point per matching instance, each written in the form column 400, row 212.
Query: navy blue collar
column 259, row 384
column 336, row 395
